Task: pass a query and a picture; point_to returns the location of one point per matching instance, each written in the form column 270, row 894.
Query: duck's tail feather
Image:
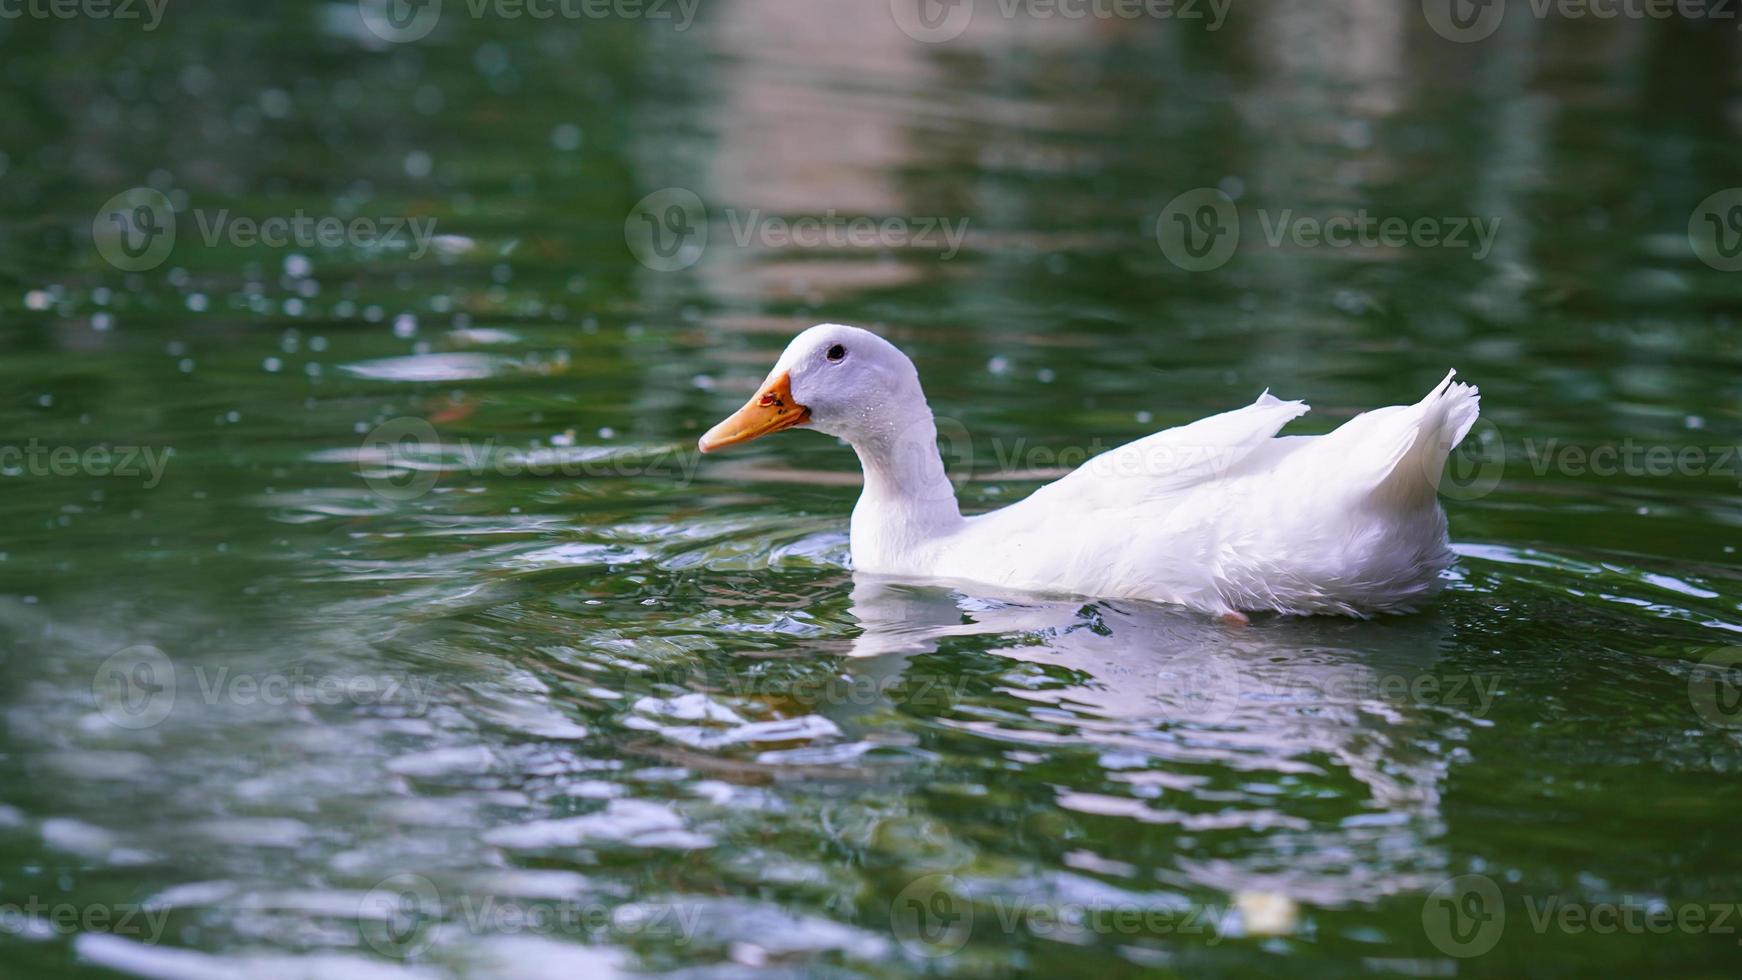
column 1435, row 425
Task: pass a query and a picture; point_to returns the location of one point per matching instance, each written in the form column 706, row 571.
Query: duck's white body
column 1221, row 515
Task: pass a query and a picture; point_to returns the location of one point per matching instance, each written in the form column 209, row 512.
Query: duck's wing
column 1172, row 460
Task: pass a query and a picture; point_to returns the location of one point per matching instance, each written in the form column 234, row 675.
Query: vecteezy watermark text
column 670, row 229
column 307, row 231
column 404, row 21
column 1467, row 21
column 1467, row 916
column 939, row 21
column 1223, row 680
column 138, row 687
column 150, row 11
column 403, row 459
column 404, row 913
column 35, row 458
column 136, row 230
column 1201, row 229
column 34, row 918
column 1631, row 458
column 933, row 917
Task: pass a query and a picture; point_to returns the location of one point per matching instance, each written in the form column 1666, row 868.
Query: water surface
column 430, row 647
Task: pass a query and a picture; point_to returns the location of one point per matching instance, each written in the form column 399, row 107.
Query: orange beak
column 771, row 409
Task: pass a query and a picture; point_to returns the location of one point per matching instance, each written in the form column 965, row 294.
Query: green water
column 435, row 650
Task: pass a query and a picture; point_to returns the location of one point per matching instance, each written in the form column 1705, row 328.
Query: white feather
column 1220, row 515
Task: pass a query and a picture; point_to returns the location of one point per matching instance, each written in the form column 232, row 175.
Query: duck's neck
column 908, row 503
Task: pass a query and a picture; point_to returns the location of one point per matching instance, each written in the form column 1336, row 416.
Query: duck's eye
column 837, row 352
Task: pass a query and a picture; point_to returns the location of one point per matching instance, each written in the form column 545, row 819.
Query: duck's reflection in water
column 1213, row 727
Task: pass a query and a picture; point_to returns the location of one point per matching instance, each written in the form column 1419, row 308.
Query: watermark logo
column 138, row 687
column 403, row 459
column 1715, row 230
column 928, row 919
column 400, row 21
column 932, row 21
column 931, row 919
column 135, row 688
column 135, row 230
column 1464, row 21
column 394, row 460
column 1634, row 459
column 922, row 447
column 1199, row 230
column 398, row 916
column 405, row 914
column 1464, row 916
column 668, row 229
column 939, row 21
column 1467, row 21
column 1474, row 467
column 1219, row 684
column 405, row 21
column 1716, row 688
column 1203, row 686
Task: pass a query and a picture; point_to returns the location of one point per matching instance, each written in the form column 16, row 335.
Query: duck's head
column 836, row 379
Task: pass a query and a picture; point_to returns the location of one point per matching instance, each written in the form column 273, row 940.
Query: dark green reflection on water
column 562, row 698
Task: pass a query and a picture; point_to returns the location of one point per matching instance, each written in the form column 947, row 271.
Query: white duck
column 1221, row 515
